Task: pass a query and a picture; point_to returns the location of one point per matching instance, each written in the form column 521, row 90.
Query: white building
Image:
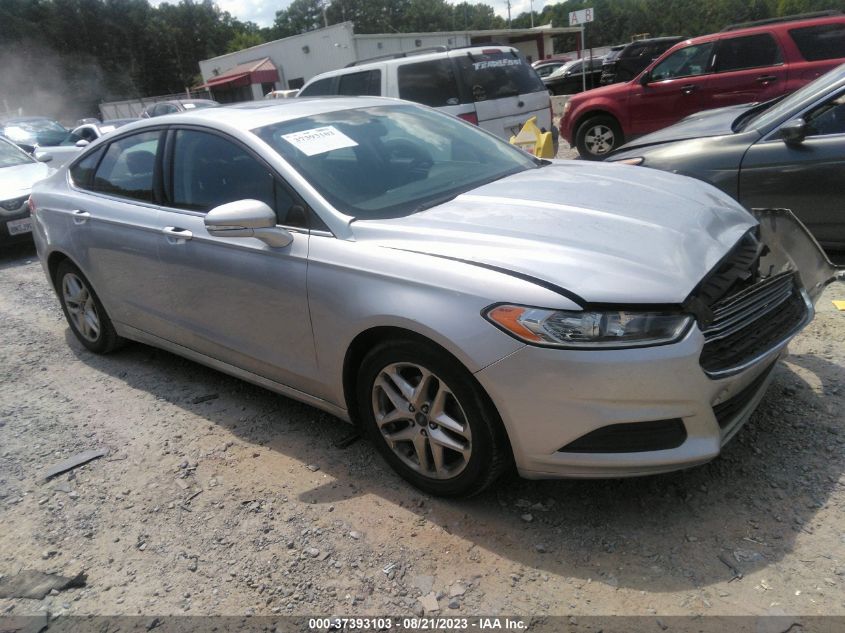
column 299, row 58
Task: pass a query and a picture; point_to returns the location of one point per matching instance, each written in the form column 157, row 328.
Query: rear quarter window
column 431, row 83
column 815, row 43
column 753, row 51
column 497, row 75
column 365, row 83
column 320, row 88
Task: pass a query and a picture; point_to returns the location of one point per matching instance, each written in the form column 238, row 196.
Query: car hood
column 607, row 233
column 718, row 122
column 17, row 181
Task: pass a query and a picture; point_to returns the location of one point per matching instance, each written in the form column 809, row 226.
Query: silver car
column 18, row 172
column 470, row 306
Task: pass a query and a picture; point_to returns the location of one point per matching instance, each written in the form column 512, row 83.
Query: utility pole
column 532, row 14
column 508, row 2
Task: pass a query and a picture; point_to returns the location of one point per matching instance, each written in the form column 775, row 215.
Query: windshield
column 497, row 74
column 35, row 132
column 392, row 161
column 776, row 111
column 11, row 155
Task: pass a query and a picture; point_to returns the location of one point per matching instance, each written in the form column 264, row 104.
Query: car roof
column 254, row 114
column 766, row 28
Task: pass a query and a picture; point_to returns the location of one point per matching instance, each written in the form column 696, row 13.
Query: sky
column 263, row 12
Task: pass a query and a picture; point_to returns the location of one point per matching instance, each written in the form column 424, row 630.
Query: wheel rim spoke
column 81, row 308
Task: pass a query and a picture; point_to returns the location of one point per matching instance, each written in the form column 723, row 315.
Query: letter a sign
column 580, row 17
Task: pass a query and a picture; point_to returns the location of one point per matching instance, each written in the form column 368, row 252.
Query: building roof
column 257, row 71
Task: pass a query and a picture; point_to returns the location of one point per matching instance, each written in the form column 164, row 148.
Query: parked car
column 281, row 94
column 18, row 172
column 783, row 153
column 490, row 86
column 396, row 267
column 631, row 59
column 176, row 105
column 752, row 63
column 545, row 67
column 34, row 131
column 569, row 78
column 78, row 138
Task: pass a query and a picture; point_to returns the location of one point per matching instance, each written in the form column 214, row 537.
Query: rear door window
column 753, row 51
column 128, row 167
column 825, row 41
column 431, row 83
column 366, row 83
column 497, row 75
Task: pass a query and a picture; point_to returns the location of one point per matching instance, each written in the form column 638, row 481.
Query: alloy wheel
column 421, row 420
column 599, row 139
column 81, row 307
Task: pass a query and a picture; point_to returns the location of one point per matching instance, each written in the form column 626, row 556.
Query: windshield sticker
column 319, row 140
column 496, row 63
column 189, row 106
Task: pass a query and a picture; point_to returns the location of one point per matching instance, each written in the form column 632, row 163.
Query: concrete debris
column 73, row 462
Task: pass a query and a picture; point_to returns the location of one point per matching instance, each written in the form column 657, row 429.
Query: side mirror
column 247, row 218
column 82, row 142
column 645, row 78
column 43, row 157
column 794, row 132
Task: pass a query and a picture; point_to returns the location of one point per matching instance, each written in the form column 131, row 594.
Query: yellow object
column 534, row 141
column 839, row 305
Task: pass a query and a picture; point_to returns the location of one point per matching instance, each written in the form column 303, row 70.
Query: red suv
column 743, row 63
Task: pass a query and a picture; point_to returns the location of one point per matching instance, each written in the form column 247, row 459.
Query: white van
column 491, row 86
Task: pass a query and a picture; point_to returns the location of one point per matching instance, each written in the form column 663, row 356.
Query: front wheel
column 430, row 420
column 597, row 137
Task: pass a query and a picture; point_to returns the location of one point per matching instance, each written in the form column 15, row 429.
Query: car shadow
column 736, row 515
column 17, row 255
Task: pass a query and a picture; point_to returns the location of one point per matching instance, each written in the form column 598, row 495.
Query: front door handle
column 766, row 79
column 689, row 89
column 80, row 217
column 176, row 235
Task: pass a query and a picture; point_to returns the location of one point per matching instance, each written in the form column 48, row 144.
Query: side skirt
column 140, row 336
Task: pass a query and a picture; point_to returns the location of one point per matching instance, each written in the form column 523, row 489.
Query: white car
column 18, row 172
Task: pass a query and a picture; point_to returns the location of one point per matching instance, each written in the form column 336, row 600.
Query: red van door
column 671, row 90
column 745, row 69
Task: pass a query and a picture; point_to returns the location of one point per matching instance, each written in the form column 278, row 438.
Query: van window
column 365, row 83
column 497, row 75
column 825, row 41
column 320, row 88
column 753, row 51
column 431, row 83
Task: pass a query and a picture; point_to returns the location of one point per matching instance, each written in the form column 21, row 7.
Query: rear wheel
column 84, row 312
column 597, row 137
column 430, row 420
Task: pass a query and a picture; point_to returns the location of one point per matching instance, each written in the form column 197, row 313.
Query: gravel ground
column 221, row 498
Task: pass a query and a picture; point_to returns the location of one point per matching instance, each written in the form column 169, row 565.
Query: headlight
column 589, row 329
column 566, row 107
column 639, row 160
column 14, row 204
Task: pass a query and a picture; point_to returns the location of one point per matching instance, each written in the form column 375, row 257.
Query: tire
column 84, row 312
column 598, row 136
column 450, row 422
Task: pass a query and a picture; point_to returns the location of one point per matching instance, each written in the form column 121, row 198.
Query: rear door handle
column 689, row 89
column 175, row 234
column 80, row 217
column 767, row 79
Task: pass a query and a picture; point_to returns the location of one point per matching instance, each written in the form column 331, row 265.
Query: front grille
column 751, row 322
column 727, row 411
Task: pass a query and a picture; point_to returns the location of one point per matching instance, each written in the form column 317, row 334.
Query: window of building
column 753, row 51
column 825, row 41
column 128, row 166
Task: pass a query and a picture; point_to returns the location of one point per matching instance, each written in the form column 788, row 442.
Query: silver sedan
column 472, row 307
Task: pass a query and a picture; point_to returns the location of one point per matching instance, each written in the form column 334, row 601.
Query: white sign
column 580, row 17
column 319, row 140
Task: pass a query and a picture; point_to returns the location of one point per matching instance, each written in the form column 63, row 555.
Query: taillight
column 472, row 117
column 31, row 206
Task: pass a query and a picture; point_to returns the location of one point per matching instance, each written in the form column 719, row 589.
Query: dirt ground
column 218, row 497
